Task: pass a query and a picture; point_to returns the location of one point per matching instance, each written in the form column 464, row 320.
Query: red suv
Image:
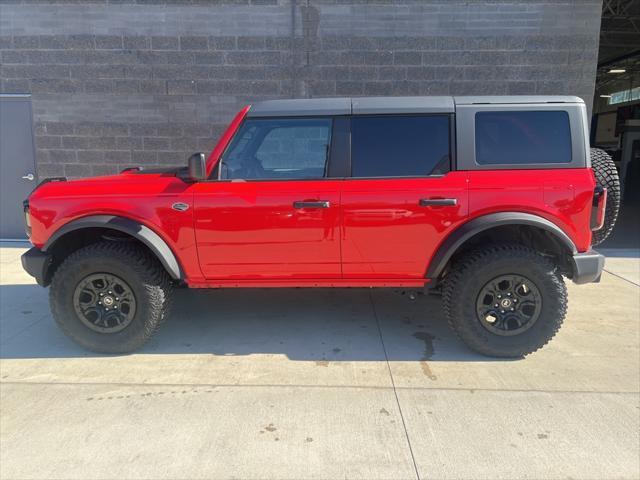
column 488, row 200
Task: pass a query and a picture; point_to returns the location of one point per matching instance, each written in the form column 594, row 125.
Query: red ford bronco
column 488, row 200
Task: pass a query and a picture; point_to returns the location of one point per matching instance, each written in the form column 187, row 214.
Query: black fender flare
column 131, row 227
column 463, row 233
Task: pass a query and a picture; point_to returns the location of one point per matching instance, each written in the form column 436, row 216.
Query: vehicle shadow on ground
column 302, row 324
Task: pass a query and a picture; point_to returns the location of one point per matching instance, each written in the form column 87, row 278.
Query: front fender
column 137, row 230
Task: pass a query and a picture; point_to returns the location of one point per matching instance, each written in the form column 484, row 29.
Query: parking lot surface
column 321, row 384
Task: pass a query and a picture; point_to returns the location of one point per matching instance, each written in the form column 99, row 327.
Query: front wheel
column 110, row 297
column 505, row 300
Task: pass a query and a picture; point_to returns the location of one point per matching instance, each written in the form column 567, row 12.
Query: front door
column 402, row 199
column 271, row 213
column 17, row 163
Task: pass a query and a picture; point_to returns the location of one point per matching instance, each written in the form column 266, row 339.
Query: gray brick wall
column 117, row 83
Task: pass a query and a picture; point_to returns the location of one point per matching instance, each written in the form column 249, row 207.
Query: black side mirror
column 197, row 167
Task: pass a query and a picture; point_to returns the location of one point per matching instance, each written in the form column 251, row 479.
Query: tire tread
column 469, row 264
column 155, row 279
column 606, row 175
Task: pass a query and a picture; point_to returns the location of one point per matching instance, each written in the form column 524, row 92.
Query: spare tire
column 607, row 177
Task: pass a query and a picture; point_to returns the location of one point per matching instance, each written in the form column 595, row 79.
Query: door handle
column 312, row 204
column 438, row 202
column 29, row 176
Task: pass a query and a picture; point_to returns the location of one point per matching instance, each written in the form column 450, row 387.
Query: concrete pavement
column 318, row 384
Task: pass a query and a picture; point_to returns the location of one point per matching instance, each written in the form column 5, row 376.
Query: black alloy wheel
column 509, row 305
column 104, row 302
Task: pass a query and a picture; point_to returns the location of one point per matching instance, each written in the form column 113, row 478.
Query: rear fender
column 468, row 230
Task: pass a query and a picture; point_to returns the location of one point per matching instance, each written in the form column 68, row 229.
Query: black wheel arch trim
column 131, row 227
column 479, row 224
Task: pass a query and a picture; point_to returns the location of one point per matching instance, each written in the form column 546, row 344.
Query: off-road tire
column 473, row 270
column 606, row 175
column 147, row 278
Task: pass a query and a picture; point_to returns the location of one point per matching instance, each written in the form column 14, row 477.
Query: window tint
column 508, row 138
column 278, row 149
column 399, row 146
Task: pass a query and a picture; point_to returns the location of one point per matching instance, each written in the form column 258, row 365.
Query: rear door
column 402, row 198
column 272, row 212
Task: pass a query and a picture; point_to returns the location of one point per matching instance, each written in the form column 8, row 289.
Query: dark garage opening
column 616, row 110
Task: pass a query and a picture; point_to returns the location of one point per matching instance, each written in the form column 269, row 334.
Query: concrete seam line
column 393, row 384
column 622, row 278
column 282, row 385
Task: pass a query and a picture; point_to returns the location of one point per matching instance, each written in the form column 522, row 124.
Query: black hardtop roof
column 390, row 105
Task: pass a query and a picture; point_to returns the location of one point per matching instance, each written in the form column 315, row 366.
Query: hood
column 132, row 181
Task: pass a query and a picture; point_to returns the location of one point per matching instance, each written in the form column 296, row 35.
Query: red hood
column 130, row 182
column 130, row 194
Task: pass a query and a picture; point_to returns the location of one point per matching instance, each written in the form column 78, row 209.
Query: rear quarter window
column 522, row 137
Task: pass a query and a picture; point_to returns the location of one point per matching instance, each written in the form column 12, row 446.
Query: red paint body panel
column 374, row 232
column 314, row 282
column 146, row 198
column 387, row 234
column 250, row 230
column 562, row 196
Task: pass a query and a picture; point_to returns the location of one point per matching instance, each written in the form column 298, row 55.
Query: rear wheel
column 505, row 300
column 110, row 297
column 606, row 175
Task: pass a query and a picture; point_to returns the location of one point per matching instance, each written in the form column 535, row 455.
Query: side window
column 278, row 149
column 522, row 137
column 400, row 146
